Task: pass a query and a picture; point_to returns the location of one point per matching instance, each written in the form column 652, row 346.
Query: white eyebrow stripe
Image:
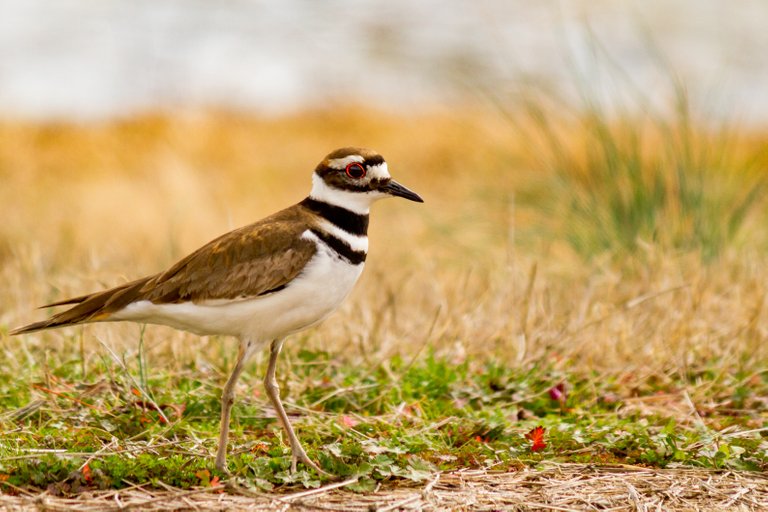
column 341, row 163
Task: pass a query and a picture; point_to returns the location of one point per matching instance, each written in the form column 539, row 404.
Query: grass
column 402, row 420
column 470, row 326
column 676, row 181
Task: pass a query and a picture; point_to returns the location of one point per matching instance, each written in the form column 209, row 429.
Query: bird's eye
column 355, row 170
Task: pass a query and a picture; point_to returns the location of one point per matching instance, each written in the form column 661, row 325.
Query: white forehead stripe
column 379, row 171
column 341, row 163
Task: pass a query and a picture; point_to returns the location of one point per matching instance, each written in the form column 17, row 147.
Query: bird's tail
column 88, row 308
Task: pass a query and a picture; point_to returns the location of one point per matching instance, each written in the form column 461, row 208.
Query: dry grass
column 468, row 274
column 561, row 487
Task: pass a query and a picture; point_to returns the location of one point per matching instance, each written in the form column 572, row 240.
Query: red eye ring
column 355, row 170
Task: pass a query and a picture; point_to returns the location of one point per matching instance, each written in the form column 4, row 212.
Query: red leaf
column 348, row 421
column 216, row 482
column 536, row 437
column 87, row 474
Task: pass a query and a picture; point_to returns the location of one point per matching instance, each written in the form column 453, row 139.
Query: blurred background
column 73, row 59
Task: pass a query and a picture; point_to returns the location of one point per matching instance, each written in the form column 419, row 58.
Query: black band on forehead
column 374, row 160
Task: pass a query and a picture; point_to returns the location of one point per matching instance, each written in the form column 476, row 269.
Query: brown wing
column 250, row 261
column 247, row 262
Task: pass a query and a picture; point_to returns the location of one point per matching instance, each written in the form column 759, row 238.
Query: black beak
column 393, row 188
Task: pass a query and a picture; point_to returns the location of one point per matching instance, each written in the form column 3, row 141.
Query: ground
column 549, row 487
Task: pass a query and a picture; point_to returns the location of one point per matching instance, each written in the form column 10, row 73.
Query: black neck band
column 349, row 221
column 341, row 247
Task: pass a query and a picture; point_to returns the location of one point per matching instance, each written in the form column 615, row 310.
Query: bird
column 259, row 283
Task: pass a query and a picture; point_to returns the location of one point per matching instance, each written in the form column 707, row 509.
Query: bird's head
column 354, row 178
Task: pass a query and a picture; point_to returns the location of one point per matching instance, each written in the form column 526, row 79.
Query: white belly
column 311, row 297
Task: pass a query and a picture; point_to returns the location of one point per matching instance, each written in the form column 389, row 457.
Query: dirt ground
column 553, row 487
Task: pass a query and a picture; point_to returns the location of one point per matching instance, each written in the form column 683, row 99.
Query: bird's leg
column 273, row 392
column 227, row 400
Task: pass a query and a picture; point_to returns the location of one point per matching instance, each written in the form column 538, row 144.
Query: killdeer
column 262, row 282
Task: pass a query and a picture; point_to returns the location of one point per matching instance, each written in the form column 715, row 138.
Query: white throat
column 358, row 202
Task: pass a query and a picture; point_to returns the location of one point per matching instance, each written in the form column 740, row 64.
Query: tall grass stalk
column 621, row 181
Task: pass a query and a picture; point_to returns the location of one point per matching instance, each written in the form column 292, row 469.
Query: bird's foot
column 223, row 468
column 298, row 454
column 221, row 459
